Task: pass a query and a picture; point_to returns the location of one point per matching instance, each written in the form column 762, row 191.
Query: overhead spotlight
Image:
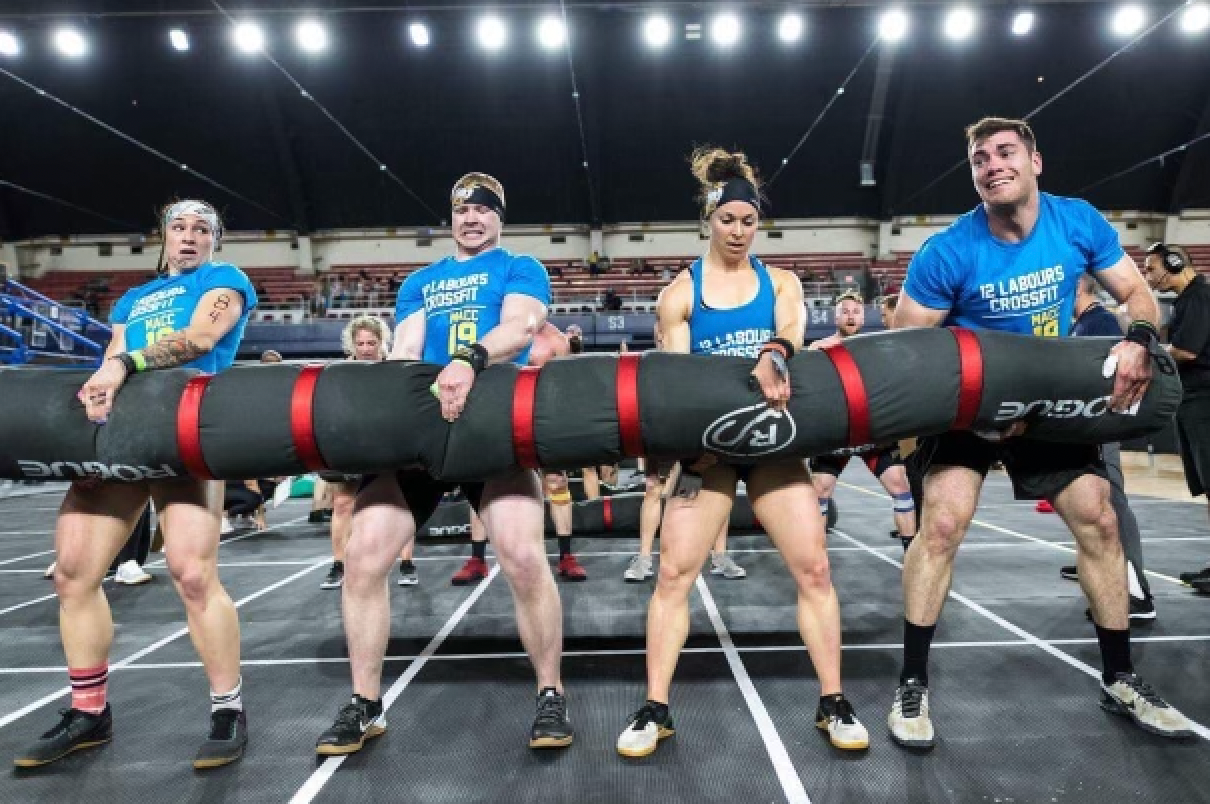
column 724, row 30
column 1195, row 18
column 418, row 32
column 70, row 42
column 551, row 33
column 311, row 36
column 959, row 23
column 179, row 39
column 492, row 33
column 9, row 46
column 1023, row 23
column 249, row 37
column 893, row 25
column 789, row 29
column 1128, row 20
column 657, row 31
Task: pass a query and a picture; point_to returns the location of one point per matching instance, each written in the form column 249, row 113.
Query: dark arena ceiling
column 373, row 130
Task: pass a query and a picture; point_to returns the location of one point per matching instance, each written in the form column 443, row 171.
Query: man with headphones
column 1169, row 268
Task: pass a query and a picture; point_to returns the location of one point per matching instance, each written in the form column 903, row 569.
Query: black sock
column 916, row 641
column 1115, row 652
column 338, row 564
column 406, row 564
column 564, row 545
column 479, row 550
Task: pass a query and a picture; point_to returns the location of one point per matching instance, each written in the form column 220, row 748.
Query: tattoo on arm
column 172, row 350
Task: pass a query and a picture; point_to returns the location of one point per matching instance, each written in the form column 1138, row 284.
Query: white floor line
column 28, row 603
column 134, row 657
column 323, row 773
column 1048, row 647
column 791, row 784
column 23, row 558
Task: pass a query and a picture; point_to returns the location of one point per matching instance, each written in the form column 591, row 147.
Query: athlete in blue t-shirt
column 730, row 303
column 1013, row 264
column 193, row 314
column 481, row 306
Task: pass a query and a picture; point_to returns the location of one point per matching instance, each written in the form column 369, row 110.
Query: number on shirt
column 464, row 333
column 1049, row 329
column 154, row 335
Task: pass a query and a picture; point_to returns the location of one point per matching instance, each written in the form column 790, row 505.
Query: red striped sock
column 89, row 686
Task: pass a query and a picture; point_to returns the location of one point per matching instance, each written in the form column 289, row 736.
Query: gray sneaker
column 639, row 569
column 722, row 564
column 909, row 721
column 1132, row 697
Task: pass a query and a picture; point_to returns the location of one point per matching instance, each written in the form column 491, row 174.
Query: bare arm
column 217, row 314
column 1127, row 286
column 521, row 318
column 910, row 314
column 672, row 314
column 409, row 338
column 1180, row 355
column 789, row 311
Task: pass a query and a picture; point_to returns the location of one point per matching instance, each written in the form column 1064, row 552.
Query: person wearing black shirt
column 1169, row 268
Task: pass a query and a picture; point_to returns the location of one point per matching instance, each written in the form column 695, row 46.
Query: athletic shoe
column 1044, row 507
column 570, row 569
column 1187, row 578
column 358, row 721
column 1070, row 573
column 1141, row 609
column 639, row 570
column 336, row 576
column 129, row 573
column 225, row 527
column 227, row 740
column 49, row 574
column 552, row 727
column 909, row 720
column 407, row 574
column 316, row 517
column 835, row 715
column 1132, row 697
column 473, row 571
column 645, row 729
column 1201, row 586
column 722, row 564
column 75, row 731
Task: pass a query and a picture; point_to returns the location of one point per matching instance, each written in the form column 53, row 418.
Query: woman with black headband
column 730, row 303
column 192, row 315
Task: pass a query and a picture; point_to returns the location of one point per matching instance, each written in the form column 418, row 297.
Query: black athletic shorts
column 1038, row 469
column 423, row 492
column 1193, row 435
column 878, row 460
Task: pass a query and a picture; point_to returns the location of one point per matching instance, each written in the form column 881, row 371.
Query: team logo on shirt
column 1035, row 294
column 751, row 431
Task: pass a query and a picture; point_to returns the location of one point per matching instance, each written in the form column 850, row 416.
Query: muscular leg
column 649, row 514
column 824, row 484
column 895, row 481
column 1085, row 508
column 343, row 495
column 1128, row 526
column 191, row 511
column 382, row 525
column 688, row 529
column 592, row 482
column 784, row 500
column 511, row 509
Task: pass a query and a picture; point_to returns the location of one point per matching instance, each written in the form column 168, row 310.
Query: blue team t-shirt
column 166, row 304
column 462, row 300
column 739, row 331
column 1027, row 287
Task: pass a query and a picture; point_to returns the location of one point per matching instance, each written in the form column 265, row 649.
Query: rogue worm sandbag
column 262, row 421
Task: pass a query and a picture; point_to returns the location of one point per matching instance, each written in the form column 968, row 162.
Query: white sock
column 228, row 700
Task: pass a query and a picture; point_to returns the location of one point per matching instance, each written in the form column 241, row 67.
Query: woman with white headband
column 191, row 315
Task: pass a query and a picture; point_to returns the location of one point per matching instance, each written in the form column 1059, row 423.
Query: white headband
column 198, row 208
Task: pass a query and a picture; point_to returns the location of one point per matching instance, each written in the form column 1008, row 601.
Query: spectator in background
column 612, row 302
column 594, row 264
column 335, row 291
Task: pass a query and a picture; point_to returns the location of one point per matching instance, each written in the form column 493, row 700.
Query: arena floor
column 1013, row 676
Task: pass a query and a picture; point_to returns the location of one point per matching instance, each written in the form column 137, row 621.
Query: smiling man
column 1013, row 264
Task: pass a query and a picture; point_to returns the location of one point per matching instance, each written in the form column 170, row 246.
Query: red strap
column 523, row 417
column 607, row 512
column 302, row 418
column 970, row 386
column 854, row 394
column 189, row 429
column 630, row 428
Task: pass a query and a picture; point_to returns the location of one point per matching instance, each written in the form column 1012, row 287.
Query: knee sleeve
column 903, row 503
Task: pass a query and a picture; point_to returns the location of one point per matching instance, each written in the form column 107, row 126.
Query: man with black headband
column 1170, row 268
column 481, row 306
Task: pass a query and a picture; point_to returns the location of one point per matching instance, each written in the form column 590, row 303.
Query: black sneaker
column 75, row 732
column 1069, row 573
column 645, row 729
column 336, row 576
column 315, row 517
column 227, row 741
column 357, row 721
column 1188, row 578
column 552, row 727
column 1201, row 586
column 1141, row 609
column 407, row 574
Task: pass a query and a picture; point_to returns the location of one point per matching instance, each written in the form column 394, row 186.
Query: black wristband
column 127, row 363
column 475, row 356
column 786, row 346
column 1143, row 333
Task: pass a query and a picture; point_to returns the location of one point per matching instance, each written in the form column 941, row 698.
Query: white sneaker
column 723, row 564
column 130, row 574
column 50, row 571
column 644, row 731
column 226, row 526
column 639, row 570
column 909, row 720
column 1129, row 695
column 837, row 718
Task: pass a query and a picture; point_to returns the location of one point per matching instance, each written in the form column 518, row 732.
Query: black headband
column 481, row 195
column 738, row 189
